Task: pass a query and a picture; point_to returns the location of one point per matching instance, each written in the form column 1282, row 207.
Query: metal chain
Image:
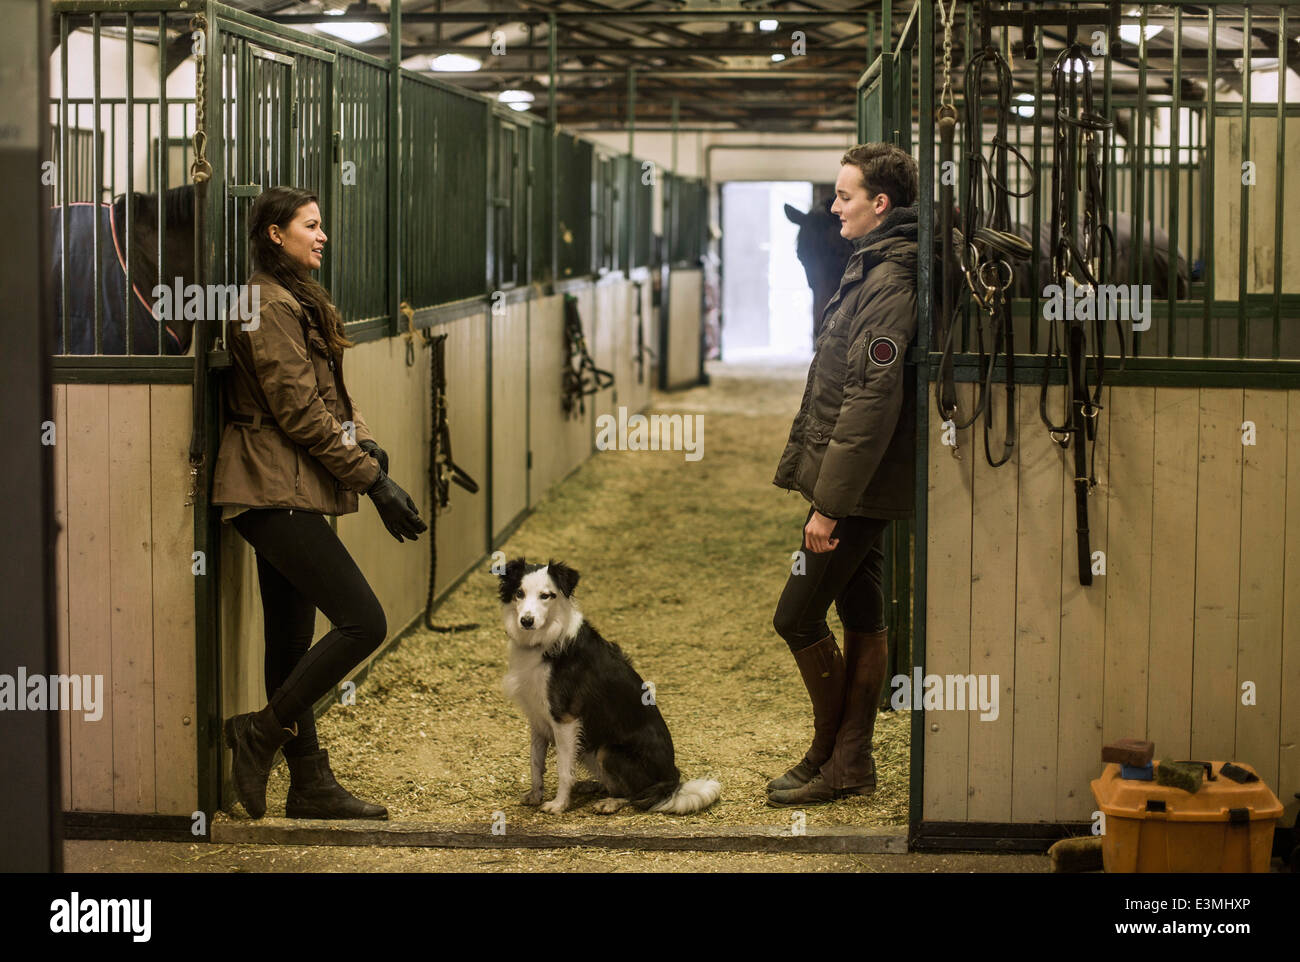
column 200, row 169
column 947, row 17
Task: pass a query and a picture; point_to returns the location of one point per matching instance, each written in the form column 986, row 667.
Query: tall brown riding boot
column 850, row 769
column 823, row 671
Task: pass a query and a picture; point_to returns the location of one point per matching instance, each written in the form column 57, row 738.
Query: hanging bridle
column 1083, row 263
column 988, row 245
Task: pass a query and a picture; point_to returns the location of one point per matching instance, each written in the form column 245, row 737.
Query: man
column 851, row 454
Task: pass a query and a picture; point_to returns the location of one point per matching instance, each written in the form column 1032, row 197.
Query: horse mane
column 178, row 206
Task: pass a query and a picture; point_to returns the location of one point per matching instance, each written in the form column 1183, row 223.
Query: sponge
column 1133, row 752
column 1237, row 773
column 1184, row 775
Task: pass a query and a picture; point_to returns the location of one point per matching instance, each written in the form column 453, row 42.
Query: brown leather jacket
column 299, row 455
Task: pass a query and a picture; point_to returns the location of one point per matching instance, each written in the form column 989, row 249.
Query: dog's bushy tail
column 692, row 796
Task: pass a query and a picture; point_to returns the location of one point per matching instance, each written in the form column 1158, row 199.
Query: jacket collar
column 890, row 239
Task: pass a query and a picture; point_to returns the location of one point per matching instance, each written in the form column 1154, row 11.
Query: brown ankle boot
column 253, row 738
column 823, row 670
column 850, row 769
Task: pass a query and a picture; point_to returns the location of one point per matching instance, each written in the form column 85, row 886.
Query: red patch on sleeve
column 882, row 351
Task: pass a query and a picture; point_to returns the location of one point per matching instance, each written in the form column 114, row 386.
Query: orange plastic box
column 1225, row 827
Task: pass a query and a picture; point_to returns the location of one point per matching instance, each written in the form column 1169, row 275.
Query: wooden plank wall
column 1261, row 200
column 683, row 360
column 1201, row 538
column 125, row 595
column 509, row 416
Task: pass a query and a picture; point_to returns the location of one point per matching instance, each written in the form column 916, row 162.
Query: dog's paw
column 608, row 806
column 555, row 807
column 533, row 797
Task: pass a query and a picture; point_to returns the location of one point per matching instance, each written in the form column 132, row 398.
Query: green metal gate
column 884, row 115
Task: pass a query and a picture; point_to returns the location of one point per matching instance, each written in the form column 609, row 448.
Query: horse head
column 177, row 214
column 823, row 253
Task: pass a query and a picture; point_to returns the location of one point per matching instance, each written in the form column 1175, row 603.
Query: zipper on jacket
column 297, row 470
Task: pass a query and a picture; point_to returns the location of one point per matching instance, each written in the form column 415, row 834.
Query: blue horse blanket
column 112, row 292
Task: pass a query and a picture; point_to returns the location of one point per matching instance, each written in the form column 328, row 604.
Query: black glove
column 396, row 509
column 379, row 454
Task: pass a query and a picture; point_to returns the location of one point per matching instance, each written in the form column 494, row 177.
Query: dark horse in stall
column 178, row 228
column 1156, row 247
column 822, row 252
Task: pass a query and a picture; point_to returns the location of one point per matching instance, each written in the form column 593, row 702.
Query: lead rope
column 946, row 387
column 1089, row 260
column 200, row 174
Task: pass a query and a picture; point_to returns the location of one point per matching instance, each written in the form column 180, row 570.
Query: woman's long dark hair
column 279, row 206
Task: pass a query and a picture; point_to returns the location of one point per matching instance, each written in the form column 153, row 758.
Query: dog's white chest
column 526, row 683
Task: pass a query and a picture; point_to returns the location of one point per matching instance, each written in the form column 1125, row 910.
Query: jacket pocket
column 818, row 432
column 832, row 368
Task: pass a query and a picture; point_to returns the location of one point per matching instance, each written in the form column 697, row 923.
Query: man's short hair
column 887, row 170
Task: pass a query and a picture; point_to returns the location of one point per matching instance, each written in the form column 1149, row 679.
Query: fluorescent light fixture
column 353, row 32
column 1132, row 32
column 777, row 57
column 516, row 99
column 767, row 26
column 454, row 62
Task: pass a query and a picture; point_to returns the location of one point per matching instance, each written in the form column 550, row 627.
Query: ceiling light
column 454, row 62
column 767, row 26
column 516, row 99
column 777, row 57
column 352, row 32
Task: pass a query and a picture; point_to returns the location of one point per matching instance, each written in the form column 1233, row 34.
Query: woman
column 851, row 454
column 296, row 449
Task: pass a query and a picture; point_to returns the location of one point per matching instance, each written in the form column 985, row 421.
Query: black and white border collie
column 582, row 695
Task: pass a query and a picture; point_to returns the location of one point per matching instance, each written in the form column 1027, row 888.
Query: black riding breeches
column 301, row 566
column 850, row 575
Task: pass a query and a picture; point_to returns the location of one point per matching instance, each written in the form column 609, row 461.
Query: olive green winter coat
column 852, row 447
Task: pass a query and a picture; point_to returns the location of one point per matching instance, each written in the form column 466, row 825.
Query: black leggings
column 851, row 575
column 301, row 566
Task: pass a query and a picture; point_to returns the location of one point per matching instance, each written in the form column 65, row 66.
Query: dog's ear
column 565, row 578
column 510, row 579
